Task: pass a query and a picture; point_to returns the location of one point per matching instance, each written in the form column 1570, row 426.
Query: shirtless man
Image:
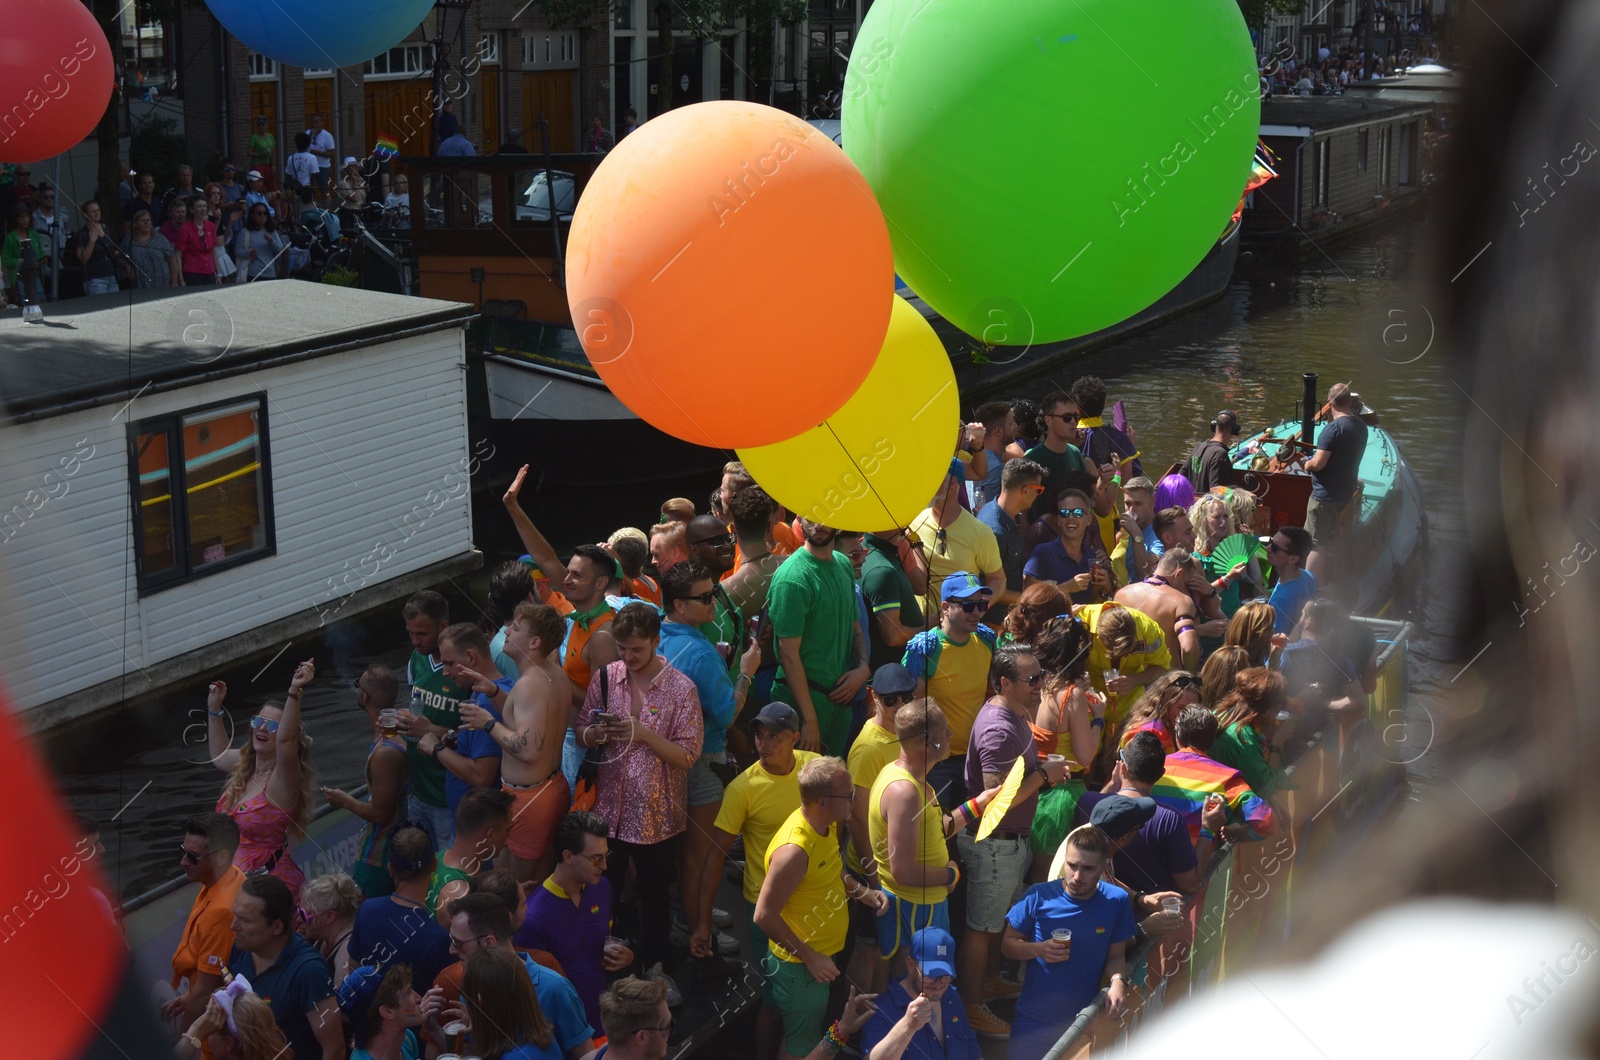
column 533, row 722
column 1164, row 596
column 387, row 776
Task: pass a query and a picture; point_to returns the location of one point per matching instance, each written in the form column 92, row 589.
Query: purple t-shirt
column 999, row 737
column 575, row 935
column 1161, row 848
column 1050, row 562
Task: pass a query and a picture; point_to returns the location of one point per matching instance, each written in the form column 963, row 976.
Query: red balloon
column 56, row 75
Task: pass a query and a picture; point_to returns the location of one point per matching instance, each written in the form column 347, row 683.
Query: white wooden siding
column 357, row 441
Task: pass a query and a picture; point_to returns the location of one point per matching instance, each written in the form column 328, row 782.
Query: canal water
column 1350, row 312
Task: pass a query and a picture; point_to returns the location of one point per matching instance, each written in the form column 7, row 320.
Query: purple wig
column 1174, row 491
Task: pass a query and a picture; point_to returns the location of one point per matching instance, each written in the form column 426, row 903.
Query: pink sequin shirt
column 644, row 799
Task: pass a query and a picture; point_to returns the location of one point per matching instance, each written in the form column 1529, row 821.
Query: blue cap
column 776, row 717
column 963, row 585
column 892, row 679
column 958, row 469
column 934, row 951
column 356, row 994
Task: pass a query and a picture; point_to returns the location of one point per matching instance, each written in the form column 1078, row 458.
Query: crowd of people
column 1330, row 74
column 829, row 715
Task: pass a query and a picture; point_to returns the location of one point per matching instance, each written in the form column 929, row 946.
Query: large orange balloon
column 730, row 274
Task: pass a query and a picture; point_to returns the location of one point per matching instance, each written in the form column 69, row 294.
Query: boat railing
column 177, row 883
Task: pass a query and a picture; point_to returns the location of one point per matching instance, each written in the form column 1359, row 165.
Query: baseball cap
column 254, row 174
column 963, row 585
column 533, row 568
column 892, row 679
column 957, row 468
column 777, row 716
column 934, row 951
column 1117, row 815
column 349, row 160
column 1228, row 418
column 356, row 994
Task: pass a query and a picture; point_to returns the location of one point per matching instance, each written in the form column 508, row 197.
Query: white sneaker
column 674, row 998
column 721, row 918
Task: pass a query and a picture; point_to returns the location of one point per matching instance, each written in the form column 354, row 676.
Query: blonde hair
column 1250, row 628
column 259, row 1037
column 630, row 532
column 1242, row 503
column 1116, row 630
column 1203, row 541
column 300, row 812
column 336, row 892
column 680, row 509
column 819, row 774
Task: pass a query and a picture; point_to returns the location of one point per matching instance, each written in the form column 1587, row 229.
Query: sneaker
column 721, row 917
column 725, row 944
column 999, row 988
column 986, row 1023
column 674, row 998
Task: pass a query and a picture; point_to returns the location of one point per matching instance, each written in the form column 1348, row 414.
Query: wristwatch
column 489, row 726
column 1118, row 975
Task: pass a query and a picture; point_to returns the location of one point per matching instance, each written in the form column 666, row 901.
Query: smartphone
column 755, row 629
column 602, row 718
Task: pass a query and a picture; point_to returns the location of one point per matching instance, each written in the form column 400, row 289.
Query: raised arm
column 223, row 756
column 284, row 787
column 532, row 540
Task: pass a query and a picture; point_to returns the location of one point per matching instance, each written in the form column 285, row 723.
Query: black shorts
column 863, row 921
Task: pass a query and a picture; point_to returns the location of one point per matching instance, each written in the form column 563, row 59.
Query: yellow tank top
column 931, row 848
column 817, row 911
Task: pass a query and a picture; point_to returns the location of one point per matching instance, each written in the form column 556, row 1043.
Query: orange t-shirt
column 577, row 636
column 208, row 935
column 645, row 588
column 562, row 605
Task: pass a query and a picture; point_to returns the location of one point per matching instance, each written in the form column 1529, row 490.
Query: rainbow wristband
column 1206, row 833
column 970, row 809
column 834, row 1036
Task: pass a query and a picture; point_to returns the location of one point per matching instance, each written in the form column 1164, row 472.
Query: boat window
column 459, row 198
column 203, row 492
column 530, row 195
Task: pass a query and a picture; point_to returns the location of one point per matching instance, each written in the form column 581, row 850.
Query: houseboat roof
column 108, row 348
column 1309, row 115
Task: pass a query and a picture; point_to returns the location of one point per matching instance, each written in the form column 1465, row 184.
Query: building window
column 1361, row 151
column 308, row 73
column 489, row 49
column 407, row 60
column 263, row 68
column 1324, row 157
column 550, row 51
column 202, row 492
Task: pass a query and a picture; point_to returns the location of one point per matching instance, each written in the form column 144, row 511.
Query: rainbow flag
column 1190, row 777
column 387, row 147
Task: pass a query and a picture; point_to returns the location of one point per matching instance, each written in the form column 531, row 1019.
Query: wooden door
column 550, row 92
column 264, row 101
column 319, row 100
column 401, row 109
column 489, row 87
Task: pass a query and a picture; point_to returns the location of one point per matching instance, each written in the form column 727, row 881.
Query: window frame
column 172, row 425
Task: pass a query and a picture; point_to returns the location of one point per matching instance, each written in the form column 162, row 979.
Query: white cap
column 350, row 160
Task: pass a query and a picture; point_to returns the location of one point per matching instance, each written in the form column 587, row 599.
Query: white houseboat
column 189, row 477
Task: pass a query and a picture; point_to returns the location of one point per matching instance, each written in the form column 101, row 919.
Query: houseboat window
column 1324, row 150
column 459, row 198
column 1408, row 154
column 1361, row 151
column 204, row 499
column 530, row 195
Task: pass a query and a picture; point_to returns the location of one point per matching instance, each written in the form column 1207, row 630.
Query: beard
column 821, row 536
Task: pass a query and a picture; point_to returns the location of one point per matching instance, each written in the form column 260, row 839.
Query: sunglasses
column 1072, row 513
column 1033, row 489
column 190, row 857
column 1070, row 416
column 269, row 724
column 1034, row 678
column 893, row 699
column 597, row 860
column 704, row 598
column 720, row 541
column 971, row 606
column 1184, row 681
column 1273, row 546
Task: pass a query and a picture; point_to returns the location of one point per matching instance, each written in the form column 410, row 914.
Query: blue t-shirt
column 474, row 743
column 1008, row 535
column 559, row 1002
column 295, row 984
column 985, row 489
column 1056, row 993
column 387, row 930
column 960, row 1043
column 1345, row 439
column 687, row 649
column 1051, row 563
column 1160, row 848
column 1288, row 599
column 409, row 1049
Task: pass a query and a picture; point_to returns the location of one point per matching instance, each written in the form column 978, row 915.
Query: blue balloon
column 318, row 34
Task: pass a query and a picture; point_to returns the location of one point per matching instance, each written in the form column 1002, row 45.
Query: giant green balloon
column 1051, row 168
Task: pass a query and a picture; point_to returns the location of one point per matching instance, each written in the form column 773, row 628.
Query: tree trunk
column 108, row 132
column 664, row 60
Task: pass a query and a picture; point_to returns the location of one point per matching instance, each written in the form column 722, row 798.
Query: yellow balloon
column 878, row 461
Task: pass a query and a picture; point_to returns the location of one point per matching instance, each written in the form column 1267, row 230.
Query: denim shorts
column 705, row 787
column 996, row 871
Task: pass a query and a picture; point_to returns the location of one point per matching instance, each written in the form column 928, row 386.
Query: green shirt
column 1239, row 746
column 263, row 146
column 1059, row 466
column 436, row 698
column 815, row 600
column 443, row 876
column 887, row 587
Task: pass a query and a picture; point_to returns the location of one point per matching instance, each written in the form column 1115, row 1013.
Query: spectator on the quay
column 262, row 152
column 479, row 922
column 258, row 248
column 919, row 1015
column 1056, row 451
column 270, row 784
column 326, row 914
column 22, row 240
column 483, row 821
column 146, row 200
column 1335, row 477
column 951, row 665
column 456, row 145
column 50, row 225
column 647, row 715
column 470, row 756
column 1020, row 482
column 299, row 169
column 321, row 147
column 209, row 841
column 954, row 540
column 597, row 140
column 232, row 190
column 154, row 261
column 997, row 867
column 438, row 698
column 184, row 189
column 569, row 914
column 811, row 603
column 630, row 122
column 802, row 905
column 197, row 244
column 255, row 194
column 92, row 248
column 397, row 927
column 285, row 970
column 513, row 144
column 1064, row 971
column 177, row 215
column 351, row 188
column 386, row 774
column 755, row 805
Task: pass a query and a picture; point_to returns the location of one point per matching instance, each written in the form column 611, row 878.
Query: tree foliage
column 1257, row 12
